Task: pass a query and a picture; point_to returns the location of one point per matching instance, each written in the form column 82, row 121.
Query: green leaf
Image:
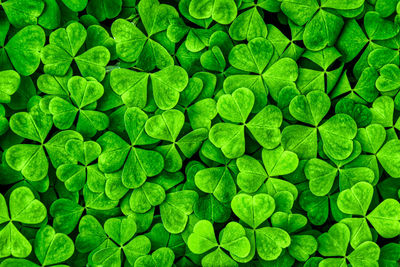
column 75, row 5
column 217, row 181
column 222, row 11
column 302, row 246
column 253, row 57
column 229, row 138
column 167, row 84
column 52, row 247
column 22, row 13
column 265, row 127
column 365, row 254
column 166, row 126
column 388, row 78
column 91, row 234
column 253, row 210
column 13, row 243
column 299, row 11
column 175, row 210
column 322, row 30
column 160, row 257
column 202, row 238
column 9, row 83
column 104, row 9
column 386, row 219
column 270, row 242
column 356, row 200
column 337, row 136
column 25, row 208
column 66, row 215
column 24, row 49
column 233, row 239
column 389, row 157
column 335, row 241
column 248, row 25
column 311, row 108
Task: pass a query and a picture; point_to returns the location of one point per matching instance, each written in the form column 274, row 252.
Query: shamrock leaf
column 51, row 247
column 147, row 196
column 167, row 127
column 74, row 5
column 222, row 11
column 64, row 48
column 385, row 218
column 233, row 239
column 133, row 45
column 101, row 9
column 121, row 231
column 217, row 180
column 83, row 93
column 22, row 13
column 388, row 156
column 247, row 208
column 335, row 242
column 315, row 15
column 356, row 201
column 91, row 234
column 271, row 75
column 387, row 81
column 24, row 208
column 277, row 162
column 337, row 133
column 137, row 163
column 236, row 108
column 24, row 49
column 26, row 158
column 73, row 175
column 176, row 208
column 248, row 25
column 132, row 86
column 160, row 257
column 9, row 83
column 269, row 241
column 66, row 214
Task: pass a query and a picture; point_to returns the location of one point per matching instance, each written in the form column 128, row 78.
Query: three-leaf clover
column 63, row 48
column 23, row 50
column 137, row 163
column 337, row 133
column 23, row 208
column 31, row 159
column 222, row 11
column 83, row 94
column 74, row 175
column 254, row 211
column 121, row 231
column 277, row 162
column 133, row 88
column 235, row 108
column 270, row 75
column 334, row 243
column 167, row 126
column 322, row 26
column 9, row 83
column 384, row 218
column 232, row 238
column 132, row 45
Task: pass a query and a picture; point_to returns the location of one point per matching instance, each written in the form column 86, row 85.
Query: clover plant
column 216, row 133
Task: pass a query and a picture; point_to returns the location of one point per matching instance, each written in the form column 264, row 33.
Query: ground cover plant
column 216, row 133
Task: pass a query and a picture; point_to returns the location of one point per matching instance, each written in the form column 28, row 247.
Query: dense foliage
column 218, row 133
